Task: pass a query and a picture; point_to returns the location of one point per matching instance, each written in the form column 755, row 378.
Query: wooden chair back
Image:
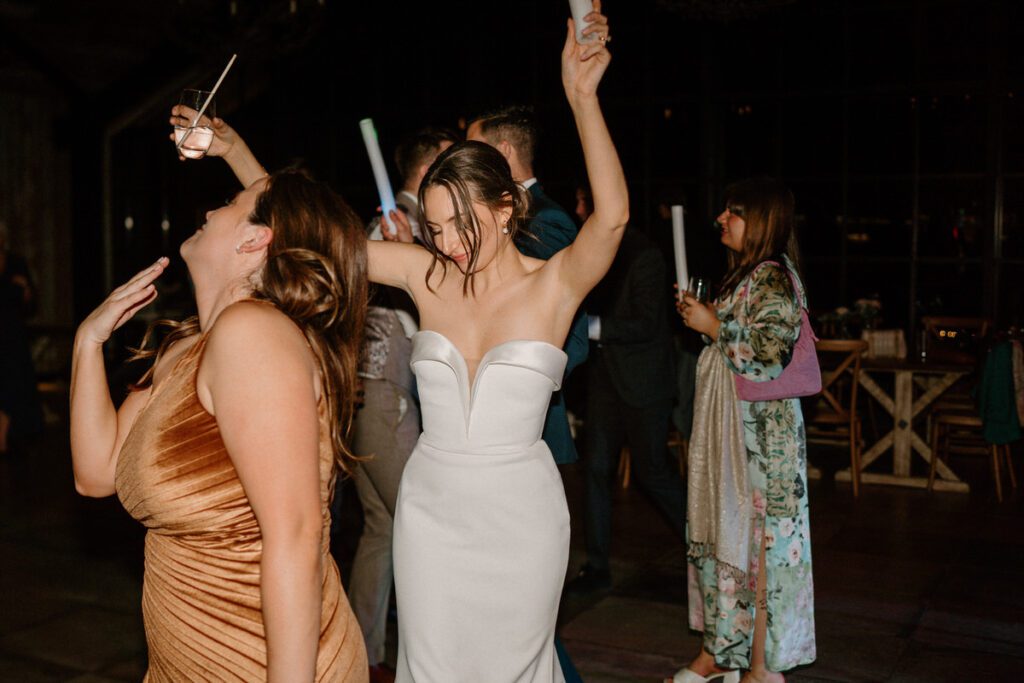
column 845, row 356
column 834, row 417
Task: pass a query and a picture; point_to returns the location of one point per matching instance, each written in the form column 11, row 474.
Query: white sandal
column 687, row 675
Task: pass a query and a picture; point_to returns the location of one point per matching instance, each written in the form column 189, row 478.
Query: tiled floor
column 909, row 586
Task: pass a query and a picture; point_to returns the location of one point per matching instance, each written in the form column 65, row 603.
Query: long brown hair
column 472, row 172
column 315, row 274
column 766, row 207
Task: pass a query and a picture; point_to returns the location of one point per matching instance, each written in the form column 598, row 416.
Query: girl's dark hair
column 315, row 274
column 766, row 207
column 472, row 172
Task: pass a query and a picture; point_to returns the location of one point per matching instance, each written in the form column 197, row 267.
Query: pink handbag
column 802, row 377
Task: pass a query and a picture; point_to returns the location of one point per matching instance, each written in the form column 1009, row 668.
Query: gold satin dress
column 201, row 594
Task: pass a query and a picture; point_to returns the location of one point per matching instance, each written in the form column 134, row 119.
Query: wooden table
column 932, row 380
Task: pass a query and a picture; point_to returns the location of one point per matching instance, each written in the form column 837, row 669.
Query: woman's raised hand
column 224, row 136
column 583, row 64
column 122, row 304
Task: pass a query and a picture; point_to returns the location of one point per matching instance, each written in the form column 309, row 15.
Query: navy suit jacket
column 553, row 230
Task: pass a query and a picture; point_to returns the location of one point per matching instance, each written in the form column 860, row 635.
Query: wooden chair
column 961, row 432
column 833, row 418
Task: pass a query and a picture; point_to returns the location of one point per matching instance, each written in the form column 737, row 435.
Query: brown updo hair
column 472, row 172
column 315, row 273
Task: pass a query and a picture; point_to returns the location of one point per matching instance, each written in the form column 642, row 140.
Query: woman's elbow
column 623, row 217
column 92, row 488
column 615, row 222
column 616, row 218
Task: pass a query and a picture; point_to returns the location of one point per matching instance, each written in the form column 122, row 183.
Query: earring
column 238, row 249
column 505, row 229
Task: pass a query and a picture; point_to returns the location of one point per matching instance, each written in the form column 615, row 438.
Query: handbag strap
column 792, row 278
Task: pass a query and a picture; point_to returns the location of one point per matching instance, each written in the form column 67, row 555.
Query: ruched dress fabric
column 201, row 595
column 481, row 539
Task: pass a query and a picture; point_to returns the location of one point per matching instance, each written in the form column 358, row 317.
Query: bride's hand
column 583, row 64
column 121, row 305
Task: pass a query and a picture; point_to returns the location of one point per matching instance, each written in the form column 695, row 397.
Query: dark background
column 897, row 123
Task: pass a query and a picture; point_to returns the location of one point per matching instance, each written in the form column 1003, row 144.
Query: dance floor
column 909, row 586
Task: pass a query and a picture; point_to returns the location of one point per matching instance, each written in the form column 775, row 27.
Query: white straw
column 209, row 99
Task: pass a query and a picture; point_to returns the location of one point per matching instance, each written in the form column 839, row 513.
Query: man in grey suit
column 388, row 425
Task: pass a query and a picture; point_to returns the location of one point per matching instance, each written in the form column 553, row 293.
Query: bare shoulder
column 254, row 349
column 534, row 265
column 257, row 332
column 544, row 272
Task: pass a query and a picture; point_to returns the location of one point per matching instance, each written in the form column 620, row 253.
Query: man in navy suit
column 512, row 131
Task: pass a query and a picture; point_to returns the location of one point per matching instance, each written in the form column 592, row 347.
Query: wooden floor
column 908, row 586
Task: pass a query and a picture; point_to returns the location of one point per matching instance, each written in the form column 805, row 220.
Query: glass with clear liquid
column 197, row 139
column 699, row 289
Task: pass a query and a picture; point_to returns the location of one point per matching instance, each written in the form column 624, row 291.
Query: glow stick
column 209, row 99
column 580, row 9
column 679, row 241
column 380, row 171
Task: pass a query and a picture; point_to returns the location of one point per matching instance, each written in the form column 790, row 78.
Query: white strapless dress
column 481, row 538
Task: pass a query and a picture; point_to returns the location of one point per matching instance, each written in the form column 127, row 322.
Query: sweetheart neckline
column 490, row 350
column 470, row 387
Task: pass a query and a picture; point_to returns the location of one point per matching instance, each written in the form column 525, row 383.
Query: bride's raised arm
column 582, row 264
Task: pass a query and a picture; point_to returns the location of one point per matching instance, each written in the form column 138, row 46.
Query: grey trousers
column 386, row 429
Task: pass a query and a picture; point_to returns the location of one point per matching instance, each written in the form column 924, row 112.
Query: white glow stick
column 580, row 9
column 209, row 99
column 679, row 241
column 380, row 171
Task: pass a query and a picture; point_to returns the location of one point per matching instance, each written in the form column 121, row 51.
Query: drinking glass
column 194, row 140
column 699, row 289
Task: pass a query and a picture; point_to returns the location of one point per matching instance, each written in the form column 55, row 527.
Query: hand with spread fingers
column 122, row 304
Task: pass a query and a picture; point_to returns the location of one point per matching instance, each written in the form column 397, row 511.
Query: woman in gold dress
column 229, row 450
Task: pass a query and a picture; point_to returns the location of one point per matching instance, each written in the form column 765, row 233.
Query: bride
column 481, row 540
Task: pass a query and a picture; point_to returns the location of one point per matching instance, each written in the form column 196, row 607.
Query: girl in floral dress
column 750, row 585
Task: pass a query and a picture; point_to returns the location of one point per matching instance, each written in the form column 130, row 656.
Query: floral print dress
column 760, row 323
